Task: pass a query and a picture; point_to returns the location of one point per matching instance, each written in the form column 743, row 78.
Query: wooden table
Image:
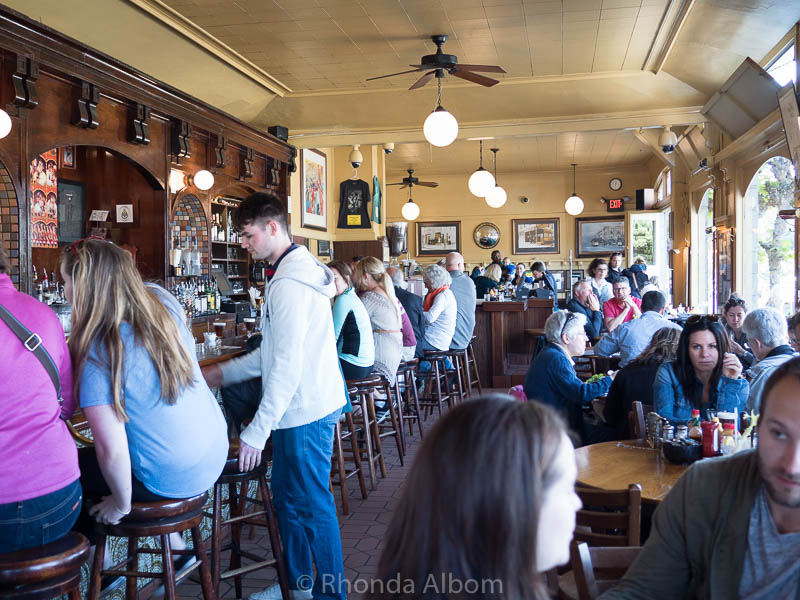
column 229, row 348
column 602, row 364
column 615, row 465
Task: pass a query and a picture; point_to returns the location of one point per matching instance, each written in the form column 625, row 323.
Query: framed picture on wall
column 71, row 211
column 314, row 189
column 535, row 236
column 577, row 275
column 323, row 248
column 599, row 236
column 66, row 156
column 560, row 277
column 438, row 238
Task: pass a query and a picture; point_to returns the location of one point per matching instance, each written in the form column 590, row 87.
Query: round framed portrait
column 486, row 235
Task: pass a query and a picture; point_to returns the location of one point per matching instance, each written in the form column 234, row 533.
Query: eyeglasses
column 569, row 318
column 75, row 246
column 698, row 318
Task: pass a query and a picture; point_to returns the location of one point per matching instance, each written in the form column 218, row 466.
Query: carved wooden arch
column 10, row 222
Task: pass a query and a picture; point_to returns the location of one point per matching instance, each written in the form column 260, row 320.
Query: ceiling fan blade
column 484, row 68
column 475, row 78
column 399, row 183
column 423, row 80
column 431, row 184
column 393, row 74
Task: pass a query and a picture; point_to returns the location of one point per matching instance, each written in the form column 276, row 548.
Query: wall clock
column 615, row 184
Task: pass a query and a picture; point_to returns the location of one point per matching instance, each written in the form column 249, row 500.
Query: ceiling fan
column 411, row 181
column 437, row 64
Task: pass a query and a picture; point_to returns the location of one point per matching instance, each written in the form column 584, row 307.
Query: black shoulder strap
column 33, row 342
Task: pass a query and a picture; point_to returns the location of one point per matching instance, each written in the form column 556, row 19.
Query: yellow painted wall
column 547, row 192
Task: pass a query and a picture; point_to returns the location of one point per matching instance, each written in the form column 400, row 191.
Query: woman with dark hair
column 735, row 310
column 498, row 531
column 598, row 270
column 704, row 375
column 351, row 326
column 635, row 380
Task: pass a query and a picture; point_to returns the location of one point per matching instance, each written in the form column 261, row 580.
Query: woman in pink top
column 40, row 494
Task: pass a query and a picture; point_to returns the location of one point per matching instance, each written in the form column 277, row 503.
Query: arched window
column 705, row 253
column 663, row 187
column 768, row 241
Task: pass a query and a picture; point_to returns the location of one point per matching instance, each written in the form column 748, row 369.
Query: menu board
column 44, row 200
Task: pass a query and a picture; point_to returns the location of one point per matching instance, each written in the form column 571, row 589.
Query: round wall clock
column 615, row 184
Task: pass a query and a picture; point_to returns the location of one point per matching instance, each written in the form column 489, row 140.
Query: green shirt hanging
column 376, row 200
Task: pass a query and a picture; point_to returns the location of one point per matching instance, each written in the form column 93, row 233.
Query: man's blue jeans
column 306, row 511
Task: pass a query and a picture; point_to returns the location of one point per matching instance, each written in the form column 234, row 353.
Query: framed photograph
column 438, row 238
column 577, row 275
column 535, row 236
column 314, row 189
column 560, row 277
column 599, row 236
column 71, row 211
column 323, row 248
column 66, row 156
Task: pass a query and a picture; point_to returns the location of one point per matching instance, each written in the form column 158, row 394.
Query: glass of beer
column 250, row 324
column 219, row 328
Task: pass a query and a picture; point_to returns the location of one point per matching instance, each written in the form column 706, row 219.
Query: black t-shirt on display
column 353, row 198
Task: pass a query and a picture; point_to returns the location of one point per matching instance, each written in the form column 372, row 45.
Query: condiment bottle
column 710, row 438
column 728, row 441
column 695, row 432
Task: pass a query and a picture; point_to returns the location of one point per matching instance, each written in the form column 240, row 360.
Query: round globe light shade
column 481, row 182
column 574, row 205
column 497, row 197
column 440, row 128
column 204, row 180
column 410, row 210
column 5, row 124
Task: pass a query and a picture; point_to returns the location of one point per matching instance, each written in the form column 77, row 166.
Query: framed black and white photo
column 71, row 211
column 577, row 275
column 560, row 277
column 323, row 248
column 535, row 236
column 438, row 238
column 599, row 236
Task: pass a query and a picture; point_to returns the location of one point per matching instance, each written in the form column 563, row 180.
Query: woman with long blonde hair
column 377, row 294
column 158, row 430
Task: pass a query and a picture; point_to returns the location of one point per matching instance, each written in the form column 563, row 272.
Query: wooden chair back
column 610, row 517
column 599, row 569
column 636, row 419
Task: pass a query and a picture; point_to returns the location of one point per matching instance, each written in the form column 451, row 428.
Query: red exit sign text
column 615, row 205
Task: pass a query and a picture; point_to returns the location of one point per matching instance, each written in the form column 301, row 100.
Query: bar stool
column 395, row 427
column 472, row 368
column 46, row 571
column 408, row 371
column 151, row 519
column 345, row 431
column 437, row 390
column 457, row 387
column 366, row 419
column 237, row 502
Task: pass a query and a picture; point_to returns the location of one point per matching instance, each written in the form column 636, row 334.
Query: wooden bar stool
column 457, row 387
column 472, row 369
column 395, row 427
column 344, row 433
column 437, row 390
column 366, row 419
column 411, row 411
column 238, row 498
column 45, row 572
column 155, row 519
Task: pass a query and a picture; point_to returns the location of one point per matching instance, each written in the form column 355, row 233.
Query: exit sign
column 615, row 205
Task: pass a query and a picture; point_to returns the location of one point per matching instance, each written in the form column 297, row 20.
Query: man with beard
column 730, row 528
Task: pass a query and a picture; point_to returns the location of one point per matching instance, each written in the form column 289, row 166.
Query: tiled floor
column 362, row 530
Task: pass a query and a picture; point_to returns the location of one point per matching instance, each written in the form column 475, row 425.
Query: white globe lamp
column 203, row 180
column 5, row 124
column 410, row 210
column 440, row 128
column 574, row 204
column 497, row 197
column 481, row 182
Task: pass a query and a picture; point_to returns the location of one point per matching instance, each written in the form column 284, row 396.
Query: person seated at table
column 488, row 281
column 40, row 494
column 463, row 289
column 158, row 430
column 506, row 529
column 635, row 380
column 440, row 311
column 497, row 258
column 622, row 307
column 735, row 310
column 413, row 316
column 519, row 274
column 704, row 374
column 384, row 310
column 615, row 268
column 766, row 331
column 351, row 326
column 598, row 270
column 730, row 527
column 633, row 337
column 476, row 272
column 551, row 377
column 584, row 301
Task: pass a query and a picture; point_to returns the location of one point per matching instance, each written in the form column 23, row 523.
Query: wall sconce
column 5, row 124
column 177, row 181
column 203, row 180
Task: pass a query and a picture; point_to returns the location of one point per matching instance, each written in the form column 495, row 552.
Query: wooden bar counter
column 502, row 347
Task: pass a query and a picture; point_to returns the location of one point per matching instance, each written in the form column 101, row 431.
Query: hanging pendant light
column 497, row 196
column 574, row 204
column 481, row 182
column 440, row 128
column 410, row 210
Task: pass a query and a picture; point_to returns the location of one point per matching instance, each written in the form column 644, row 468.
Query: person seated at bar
column 543, row 275
column 584, row 301
column 384, row 310
column 551, row 378
column 635, row 380
column 351, row 326
column 488, row 281
column 735, row 310
column 40, row 494
column 463, row 289
column 504, row 530
column 158, row 430
column 412, row 317
column 766, row 332
column 793, row 323
column 598, row 270
column 440, row 311
column 519, row 274
column 730, row 527
column 633, row 337
column 704, row 375
column 622, row 307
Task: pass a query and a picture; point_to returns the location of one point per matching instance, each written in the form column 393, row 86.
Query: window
column 768, row 240
column 783, row 69
column 705, row 253
column 664, row 186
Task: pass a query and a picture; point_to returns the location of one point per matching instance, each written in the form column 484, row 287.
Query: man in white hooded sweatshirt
column 300, row 401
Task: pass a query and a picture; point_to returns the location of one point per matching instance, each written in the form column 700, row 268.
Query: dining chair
column 609, row 517
column 636, row 419
column 599, row 569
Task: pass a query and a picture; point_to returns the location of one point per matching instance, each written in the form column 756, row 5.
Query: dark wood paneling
column 347, row 250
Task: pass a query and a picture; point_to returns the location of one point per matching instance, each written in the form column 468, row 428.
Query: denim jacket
column 672, row 404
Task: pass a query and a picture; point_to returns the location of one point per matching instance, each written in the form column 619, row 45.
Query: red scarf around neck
column 426, row 305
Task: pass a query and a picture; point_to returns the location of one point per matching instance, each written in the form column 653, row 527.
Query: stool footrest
column 247, row 568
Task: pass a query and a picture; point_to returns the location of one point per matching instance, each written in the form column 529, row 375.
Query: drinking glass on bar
column 219, row 328
column 249, row 324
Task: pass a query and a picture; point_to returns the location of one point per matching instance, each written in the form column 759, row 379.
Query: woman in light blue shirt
column 351, row 326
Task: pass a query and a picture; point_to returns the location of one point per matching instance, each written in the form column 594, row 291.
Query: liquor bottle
column 35, row 277
column 45, row 281
column 210, row 296
column 217, row 299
